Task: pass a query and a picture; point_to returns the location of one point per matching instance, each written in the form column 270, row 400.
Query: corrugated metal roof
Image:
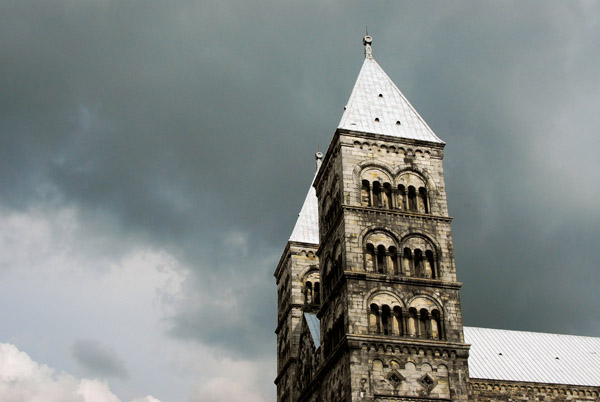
column 314, row 326
column 306, row 229
column 498, row 354
column 377, row 106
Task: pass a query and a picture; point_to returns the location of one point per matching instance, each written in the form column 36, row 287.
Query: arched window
column 370, row 258
column 412, row 199
column 413, row 192
column 381, row 259
column 365, row 193
column 418, row 261
column 412, row 322
column 427, row 316
column 376, row 194
column 436, row 325
column 419, row 257
column 381, row 253
column 393, row 261
column 407, row 261
column 385, row 315
column 311, row 288
column 429, row 265
column 387, row 196
column 374, row 321
column 402, row 197
column 385, row 320
column 397, row 329
column 423, row 323
column 423, row 201
column 308, row 293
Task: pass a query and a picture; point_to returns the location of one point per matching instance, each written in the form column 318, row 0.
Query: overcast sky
column 154, row 156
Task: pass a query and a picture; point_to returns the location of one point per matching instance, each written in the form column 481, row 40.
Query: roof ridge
column 531, row 332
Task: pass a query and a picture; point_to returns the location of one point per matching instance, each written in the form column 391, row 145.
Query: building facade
column 368, row 296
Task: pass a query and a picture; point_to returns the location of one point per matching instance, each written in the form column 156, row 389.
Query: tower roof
column 377, row 106
column 306, row 229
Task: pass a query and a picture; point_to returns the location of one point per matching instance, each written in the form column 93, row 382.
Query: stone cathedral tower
column 368, row 298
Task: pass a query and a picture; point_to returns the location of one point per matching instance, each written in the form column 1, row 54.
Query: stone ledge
column 408, row 280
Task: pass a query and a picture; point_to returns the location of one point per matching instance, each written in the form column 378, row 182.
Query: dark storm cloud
column 98, row 360
column 164, row 116
column 184, row 123
column 516, row 216
column 241, row 325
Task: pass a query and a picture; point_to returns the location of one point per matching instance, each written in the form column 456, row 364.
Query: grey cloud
column 231, row 309
column 96, row 359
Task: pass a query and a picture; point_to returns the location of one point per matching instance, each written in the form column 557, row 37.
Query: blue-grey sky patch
column 98, row 360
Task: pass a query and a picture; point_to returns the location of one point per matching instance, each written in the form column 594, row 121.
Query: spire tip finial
column 319, row 158
column 367, row 40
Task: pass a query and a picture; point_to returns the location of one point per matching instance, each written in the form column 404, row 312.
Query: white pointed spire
column 306, row 229
column 377, row 106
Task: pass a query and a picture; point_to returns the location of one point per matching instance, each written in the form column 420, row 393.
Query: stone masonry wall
column 396, row 362
column 390, row 372
column 390, row 160
column 509, row 391
column 298, row 261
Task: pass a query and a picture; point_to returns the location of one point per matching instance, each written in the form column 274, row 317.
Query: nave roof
column 500, row 354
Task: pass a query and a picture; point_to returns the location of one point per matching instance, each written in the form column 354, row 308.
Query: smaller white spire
column 306, row 229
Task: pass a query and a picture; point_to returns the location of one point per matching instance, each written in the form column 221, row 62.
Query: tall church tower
column 298, row 296
column 389, row 315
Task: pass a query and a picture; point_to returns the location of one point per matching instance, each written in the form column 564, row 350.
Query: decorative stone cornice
column 409, row 280
column 496, row 386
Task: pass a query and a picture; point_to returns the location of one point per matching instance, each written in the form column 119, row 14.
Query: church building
column 368, row 294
